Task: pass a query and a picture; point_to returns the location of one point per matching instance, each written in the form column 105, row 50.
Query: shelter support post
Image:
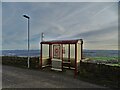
column 50, row 53
column 41, row 57
column 62, row 55
column 81, row 51
column 75, row 72
column 69, row 54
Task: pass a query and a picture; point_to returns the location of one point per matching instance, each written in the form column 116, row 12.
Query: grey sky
column 95, row 22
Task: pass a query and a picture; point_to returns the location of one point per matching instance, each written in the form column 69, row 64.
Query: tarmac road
column 13, row 77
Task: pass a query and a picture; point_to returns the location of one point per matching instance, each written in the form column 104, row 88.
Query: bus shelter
column 61, row 54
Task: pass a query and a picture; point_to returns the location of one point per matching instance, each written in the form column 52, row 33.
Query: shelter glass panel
column 72, row 51
column 65, row 50
column 45, row 51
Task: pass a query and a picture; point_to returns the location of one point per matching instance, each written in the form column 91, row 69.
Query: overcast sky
column 94, row 22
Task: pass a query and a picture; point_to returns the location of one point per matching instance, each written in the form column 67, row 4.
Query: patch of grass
column 112, row 61
column 104, row 58
column 114, row 64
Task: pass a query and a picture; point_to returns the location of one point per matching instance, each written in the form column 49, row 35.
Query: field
column 113, row 61
column 105, row 58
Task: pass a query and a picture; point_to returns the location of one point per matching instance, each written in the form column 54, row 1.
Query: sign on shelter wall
column 56, row 51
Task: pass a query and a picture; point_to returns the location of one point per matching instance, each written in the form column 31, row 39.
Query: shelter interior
column 61, row 54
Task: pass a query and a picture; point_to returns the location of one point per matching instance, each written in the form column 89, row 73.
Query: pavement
column 14, row 77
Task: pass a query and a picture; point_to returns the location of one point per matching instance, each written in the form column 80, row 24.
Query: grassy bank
column 105, row 58
column 112, row 61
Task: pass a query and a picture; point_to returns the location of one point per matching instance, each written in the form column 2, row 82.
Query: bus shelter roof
column 62, row 41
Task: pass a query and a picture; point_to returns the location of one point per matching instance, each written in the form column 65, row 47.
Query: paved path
column 13, row 77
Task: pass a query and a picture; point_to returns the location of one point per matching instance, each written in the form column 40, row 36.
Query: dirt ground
column 13, row 77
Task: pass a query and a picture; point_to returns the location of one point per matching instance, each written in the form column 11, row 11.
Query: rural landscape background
column 104, row 56
column 86, row 53
column 94, row 22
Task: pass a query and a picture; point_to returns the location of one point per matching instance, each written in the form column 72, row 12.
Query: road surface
column 13, row 77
